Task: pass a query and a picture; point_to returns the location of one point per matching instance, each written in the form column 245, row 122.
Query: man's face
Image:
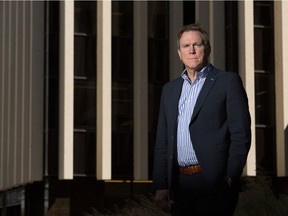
column 192, row 51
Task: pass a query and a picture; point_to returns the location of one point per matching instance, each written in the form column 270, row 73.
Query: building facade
column 81, row 84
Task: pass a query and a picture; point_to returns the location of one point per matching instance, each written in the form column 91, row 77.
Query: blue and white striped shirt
column 187, row 101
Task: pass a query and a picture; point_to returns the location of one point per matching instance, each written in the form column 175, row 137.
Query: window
column 51, row 83
column 85, row 88
column 231, row 35
column 264, row 87
column 122, row 90
column 158, row 66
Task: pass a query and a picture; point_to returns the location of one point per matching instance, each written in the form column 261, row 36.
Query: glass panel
column 188, row 12
column 231, row 35
column 84, row 104
column 85, row 88
column 122, row 131
column 122, row 90
column 264, row 49
column 53, row 55
column 264, row 88
column 85, row 17
column 85, row 63
column 83, row 162
column 262, row 13
column 265, row 150
column 158, row 68
column 122, row 59
column 158, row 44
column 264, row 99
column 52, row 89
column 85, row 39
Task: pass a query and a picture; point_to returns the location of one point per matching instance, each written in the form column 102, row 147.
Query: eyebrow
column 193, row 44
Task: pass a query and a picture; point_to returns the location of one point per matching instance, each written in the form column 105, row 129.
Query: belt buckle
column 190, row 170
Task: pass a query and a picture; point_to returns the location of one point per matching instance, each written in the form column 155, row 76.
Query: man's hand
column 162, row 199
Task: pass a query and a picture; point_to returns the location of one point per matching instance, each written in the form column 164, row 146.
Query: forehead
column 191, row 36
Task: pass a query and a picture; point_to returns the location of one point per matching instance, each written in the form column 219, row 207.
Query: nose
column 192, row 49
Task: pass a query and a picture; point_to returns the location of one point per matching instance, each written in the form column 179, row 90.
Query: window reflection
column 85, row 88
column 84, row 104
column 122, row 90
column 264, row 87
column 158, row 65
column 264, row 99
column 264, row 49
column 231, row 36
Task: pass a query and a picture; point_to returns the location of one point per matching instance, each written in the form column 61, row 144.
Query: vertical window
column 264, row 87
column 158, row 65
column 51, row 80
column 231, row 35
column 188, row 12
column 85, row 88
column 122, row 89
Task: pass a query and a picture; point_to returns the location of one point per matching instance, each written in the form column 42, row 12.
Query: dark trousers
column 192, row 197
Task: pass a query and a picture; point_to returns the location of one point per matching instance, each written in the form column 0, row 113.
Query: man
column 203, row 134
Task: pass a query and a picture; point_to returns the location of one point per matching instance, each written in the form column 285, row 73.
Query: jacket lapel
column 209, row 82
column 174, row 98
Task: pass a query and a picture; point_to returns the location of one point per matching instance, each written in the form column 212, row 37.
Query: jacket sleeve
column 160, row 175
column 239, row 123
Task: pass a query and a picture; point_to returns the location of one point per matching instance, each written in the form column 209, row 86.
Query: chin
column 198, row 67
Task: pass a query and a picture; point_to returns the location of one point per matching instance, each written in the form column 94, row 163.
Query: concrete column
column 104, row 86
column 281, row 85
column 66, row 97
column 246, row 71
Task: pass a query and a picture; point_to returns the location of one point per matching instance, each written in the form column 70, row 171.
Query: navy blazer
column 219, row 129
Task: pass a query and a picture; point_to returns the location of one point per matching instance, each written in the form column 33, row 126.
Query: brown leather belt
column 190, row 170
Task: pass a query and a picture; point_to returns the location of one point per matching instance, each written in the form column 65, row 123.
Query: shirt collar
column 202, row 74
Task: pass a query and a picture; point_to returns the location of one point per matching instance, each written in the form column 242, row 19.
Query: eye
column 197, row 44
